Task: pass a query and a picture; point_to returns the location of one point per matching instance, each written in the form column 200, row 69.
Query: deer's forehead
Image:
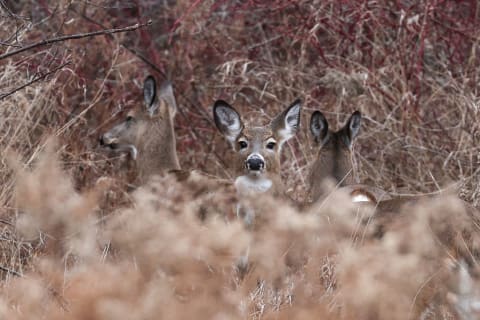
column 140, row 110
column 336, row 141
column 134, row 112
column 257, row 133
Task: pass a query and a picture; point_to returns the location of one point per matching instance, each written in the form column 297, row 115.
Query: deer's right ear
column 227, row 120
column 318, row 126
column 352, row 127
column 149, row 92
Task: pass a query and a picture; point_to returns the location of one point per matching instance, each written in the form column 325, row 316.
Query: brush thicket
column 77, row 243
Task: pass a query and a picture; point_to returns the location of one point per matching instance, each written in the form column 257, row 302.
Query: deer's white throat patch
column 247, row 185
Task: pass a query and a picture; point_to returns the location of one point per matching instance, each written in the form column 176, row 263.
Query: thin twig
column 7, row 223
column 15, row 273
column 179, row 20
column 3, row 96
column 74, row 36
column 9, row 12
column 9, row 44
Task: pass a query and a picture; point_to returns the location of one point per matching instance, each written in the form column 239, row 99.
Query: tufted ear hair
column 318, row 126
column 150, row 93
column 227, row 120
column 286, row 124
column 352, row 127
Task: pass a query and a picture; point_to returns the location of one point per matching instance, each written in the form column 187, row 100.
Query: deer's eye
column 271, row 145
column 242, row 144
column 129, row 119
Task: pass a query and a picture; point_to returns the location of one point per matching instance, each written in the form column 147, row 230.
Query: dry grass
column 76, row 243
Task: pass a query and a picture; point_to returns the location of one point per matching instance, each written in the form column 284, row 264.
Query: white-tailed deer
column 257, row 149
column 147, row 133
column 335, row 159
column 390, row 212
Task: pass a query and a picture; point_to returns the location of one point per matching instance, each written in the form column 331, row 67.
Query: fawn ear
column 150, row 93
column 352, row 127
column 318, row 126
column 286, row 124
column 227, row 120
column 166, row 94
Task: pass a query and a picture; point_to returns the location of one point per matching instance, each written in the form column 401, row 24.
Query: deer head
column 147, row 133
column 335, row 157
column 257, row 148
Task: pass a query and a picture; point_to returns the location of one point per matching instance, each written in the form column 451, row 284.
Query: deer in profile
column 147, row 133
column 335, row 159
column 257, row 149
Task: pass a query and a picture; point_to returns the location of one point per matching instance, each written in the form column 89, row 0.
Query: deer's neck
column 330, row 165
column 157, row 153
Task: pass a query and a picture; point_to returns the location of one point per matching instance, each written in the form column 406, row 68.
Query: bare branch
column 7, row 222
column 75, row 36
column 7, row 10
column 9, row 44
column 15, row 273
column 3, row 96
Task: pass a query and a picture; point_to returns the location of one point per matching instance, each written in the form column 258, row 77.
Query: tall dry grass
column 76, row 243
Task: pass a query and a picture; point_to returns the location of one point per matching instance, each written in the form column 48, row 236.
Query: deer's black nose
column 100, row 141
column 255, row 163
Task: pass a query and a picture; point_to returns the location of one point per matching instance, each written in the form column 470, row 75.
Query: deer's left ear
column 286, row 124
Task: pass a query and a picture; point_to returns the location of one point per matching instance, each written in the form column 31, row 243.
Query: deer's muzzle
column 112, row 143
column 255, row 162
column 106, row 141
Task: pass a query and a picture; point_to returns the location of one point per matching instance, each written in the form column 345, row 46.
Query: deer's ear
column 166, row 94
column 150, row 93
column 318, row 126
column 227, row 120
column 352, row 127
column 149, row 90
column 286, row 124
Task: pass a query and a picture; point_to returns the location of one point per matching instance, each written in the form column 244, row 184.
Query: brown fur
column 150, row 131
column 334, row 160
column 155, row 141
column 257, row 136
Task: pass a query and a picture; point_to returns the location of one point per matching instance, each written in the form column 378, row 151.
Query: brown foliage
column 77, row 244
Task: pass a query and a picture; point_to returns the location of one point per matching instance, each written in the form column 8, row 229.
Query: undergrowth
column 77, row 242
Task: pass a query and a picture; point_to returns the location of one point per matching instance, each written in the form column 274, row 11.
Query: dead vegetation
column 77, row 242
